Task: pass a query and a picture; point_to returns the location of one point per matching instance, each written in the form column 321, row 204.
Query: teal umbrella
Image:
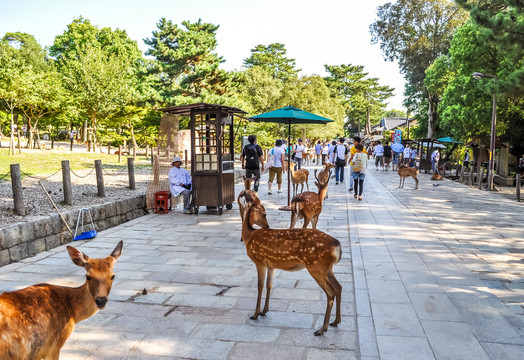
column 448, row 139
column 290, row 115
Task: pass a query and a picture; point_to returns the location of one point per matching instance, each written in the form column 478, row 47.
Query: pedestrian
column 340, row 155
column 298, row 151
column 276, row 169
column 353, row 151
column 318, row 152
column 388, row 154
column 71, row 139
column 413, row 156
column 254, row 160
column 180, row 183
column 435, row 157
column 465, row 161
column 330, row 151
column 379, row 155
column 406, row 155
column 325, row 151
column 360, row 161
column 521, row 165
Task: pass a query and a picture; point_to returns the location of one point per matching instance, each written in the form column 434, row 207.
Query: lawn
column 46, row 162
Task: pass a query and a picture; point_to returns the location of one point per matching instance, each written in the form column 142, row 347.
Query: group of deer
column 292, row 249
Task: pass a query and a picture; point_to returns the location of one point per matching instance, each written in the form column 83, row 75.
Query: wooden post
column 470, row 181
column 66, row 182
column 131, row 172
column 52, row 143
column 16, row 183
column 517, row 187
column 461, row 178
column 147, row 151
column 100, row 178
column 89, row 145
column 185, row 155
column 480, row 178
column 134, row 153
column 156, row 168
column 457, row 169
column 119, row 152
column 109, row 149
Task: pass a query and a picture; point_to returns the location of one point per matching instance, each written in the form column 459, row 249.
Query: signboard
column 397, row 137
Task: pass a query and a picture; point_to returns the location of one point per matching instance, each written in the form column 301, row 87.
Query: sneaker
column 350, row 189
column 377, row 169
column 279, row 190
column 336, row 183
column 187, row 212
column 269, row 192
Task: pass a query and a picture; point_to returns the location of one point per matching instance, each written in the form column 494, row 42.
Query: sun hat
column 175, row 159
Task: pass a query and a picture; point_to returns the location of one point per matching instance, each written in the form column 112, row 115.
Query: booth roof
column 186, row 109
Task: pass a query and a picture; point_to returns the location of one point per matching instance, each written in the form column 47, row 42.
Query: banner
column 398, row 136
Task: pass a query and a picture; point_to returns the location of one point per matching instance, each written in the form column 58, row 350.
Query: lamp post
column 491, row 170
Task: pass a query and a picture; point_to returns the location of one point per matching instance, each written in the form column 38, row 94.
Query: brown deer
column 292, row 250
column 299, row 176
column 245, row 197
column 325, row 174
column 308, row 205
column 35, row 322
column 404, row 172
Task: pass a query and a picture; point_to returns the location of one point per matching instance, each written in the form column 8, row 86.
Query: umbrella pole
column 288, row 207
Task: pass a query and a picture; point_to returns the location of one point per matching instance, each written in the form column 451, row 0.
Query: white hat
column 175, row 159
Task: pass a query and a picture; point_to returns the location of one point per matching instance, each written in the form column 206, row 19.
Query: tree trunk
column 430, row 117
column 12, row 138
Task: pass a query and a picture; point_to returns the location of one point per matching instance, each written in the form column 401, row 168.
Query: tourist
column 406, row 155
column 180, row 183
column 276, row 169
column 318, row 152
column 325, row 151
column 340, row 155
column 379, row 155
column 388, row 154
column 298, row 151
column 359, row 170
column 465, row 161
column 353, row 151
column 435, row 157
column 254, row 158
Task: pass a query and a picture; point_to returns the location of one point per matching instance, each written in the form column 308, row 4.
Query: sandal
column 360, row 198
column 355, row 196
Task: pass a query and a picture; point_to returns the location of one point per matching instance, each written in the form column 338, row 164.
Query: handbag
column 339, row 162
column 270, row 162
column 357, row 166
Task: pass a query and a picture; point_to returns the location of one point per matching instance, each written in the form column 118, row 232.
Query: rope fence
column 38, row 177
column 83, row 176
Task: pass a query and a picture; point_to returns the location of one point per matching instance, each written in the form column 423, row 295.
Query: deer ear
column 118, row 250
column 78, row 257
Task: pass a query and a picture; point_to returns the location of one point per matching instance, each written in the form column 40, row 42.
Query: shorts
column 278, row 172
column 387, row 160
column 379, row 161
column 359, row 175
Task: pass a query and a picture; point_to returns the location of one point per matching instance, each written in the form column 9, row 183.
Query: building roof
column 394, row 122
column 186, row 109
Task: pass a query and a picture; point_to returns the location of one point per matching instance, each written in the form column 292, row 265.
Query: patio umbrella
column 290, row 115
column 449, row 139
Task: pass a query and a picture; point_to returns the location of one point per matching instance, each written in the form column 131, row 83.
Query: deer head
column 256, row 215
column 99, row 272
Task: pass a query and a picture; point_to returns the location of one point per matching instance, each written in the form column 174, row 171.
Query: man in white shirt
column 180, row 183
column 379, row 155
column 340, row 154
column 298, row 150
column 406, row 155
column 435, row 157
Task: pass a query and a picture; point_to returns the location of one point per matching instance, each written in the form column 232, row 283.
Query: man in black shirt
column 254, row 157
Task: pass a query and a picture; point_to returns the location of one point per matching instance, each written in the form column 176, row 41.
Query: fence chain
column 37, row 177
column 2, row 177
column 83, row 176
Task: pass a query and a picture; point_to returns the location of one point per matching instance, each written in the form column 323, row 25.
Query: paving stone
column 237, row 333
column 406, row 347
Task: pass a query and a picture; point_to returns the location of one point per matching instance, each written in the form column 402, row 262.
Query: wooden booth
column 425, row 148
column 212, row 153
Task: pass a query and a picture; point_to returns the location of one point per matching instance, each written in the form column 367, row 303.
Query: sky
column 315, row 33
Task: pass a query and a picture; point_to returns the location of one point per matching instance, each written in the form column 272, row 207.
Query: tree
column 186, row 67
column 416, row 33
column 273, row 58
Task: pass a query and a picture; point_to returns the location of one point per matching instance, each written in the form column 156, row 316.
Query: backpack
column 387, row 151
column 252, row 157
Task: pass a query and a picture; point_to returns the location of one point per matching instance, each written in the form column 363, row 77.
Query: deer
column 36, row 321
column 404, row 172
column 325, row 174
column 308, row 205
column 246, row 196
column 292, row 250
column 299, row 176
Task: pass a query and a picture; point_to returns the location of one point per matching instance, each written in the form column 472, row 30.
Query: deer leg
column 338, row 290
column 293, row 218
column 314, row 221
column 416, row 183
column 400, row 183
column 302, row 188
column 306, row 222
column 269, row 285
column 323, row 282
column 261, row 272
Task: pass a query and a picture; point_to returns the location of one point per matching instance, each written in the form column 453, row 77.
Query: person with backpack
column 253, row 157
column 275, row 164
column 340, row 154
column 388, row 155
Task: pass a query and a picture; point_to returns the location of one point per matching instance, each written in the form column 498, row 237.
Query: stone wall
column 27, row 239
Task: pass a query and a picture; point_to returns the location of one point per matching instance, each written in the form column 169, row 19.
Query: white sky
column 314, row 32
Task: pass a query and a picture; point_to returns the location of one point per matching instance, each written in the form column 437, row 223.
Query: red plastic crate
column 162, row 202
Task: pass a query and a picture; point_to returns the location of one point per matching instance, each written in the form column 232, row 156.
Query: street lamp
column 491, row 170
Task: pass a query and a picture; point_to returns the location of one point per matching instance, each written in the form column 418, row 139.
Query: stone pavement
column 436, row 273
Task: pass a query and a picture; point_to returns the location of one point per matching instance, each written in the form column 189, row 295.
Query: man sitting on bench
column 180, row 183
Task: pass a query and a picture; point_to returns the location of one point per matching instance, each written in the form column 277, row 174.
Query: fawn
column 299, row 176
column 246, row 196
column 35, row 322
column 404, row 172
column 325, row 174
column 308, row 205
column 292, row 250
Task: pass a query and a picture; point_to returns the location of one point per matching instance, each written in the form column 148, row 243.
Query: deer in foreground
column 325, row 174
column 404, row 172
column 308, row 205
column 292, row 250
column 246, row 196
column 35, row 322
column 299, row 176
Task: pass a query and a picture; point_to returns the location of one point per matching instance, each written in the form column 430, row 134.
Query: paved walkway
column 437, row 273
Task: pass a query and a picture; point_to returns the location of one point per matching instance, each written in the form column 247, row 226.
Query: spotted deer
column 325, row 174
column 404, row 172
column 35, row 322
column 292, row 250
column 299, row 176
column 308, row 205
column 246, row 196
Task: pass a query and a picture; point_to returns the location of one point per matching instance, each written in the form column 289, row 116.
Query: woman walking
column 359, row 170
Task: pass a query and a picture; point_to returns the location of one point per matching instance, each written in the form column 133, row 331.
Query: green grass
column 43, row 162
